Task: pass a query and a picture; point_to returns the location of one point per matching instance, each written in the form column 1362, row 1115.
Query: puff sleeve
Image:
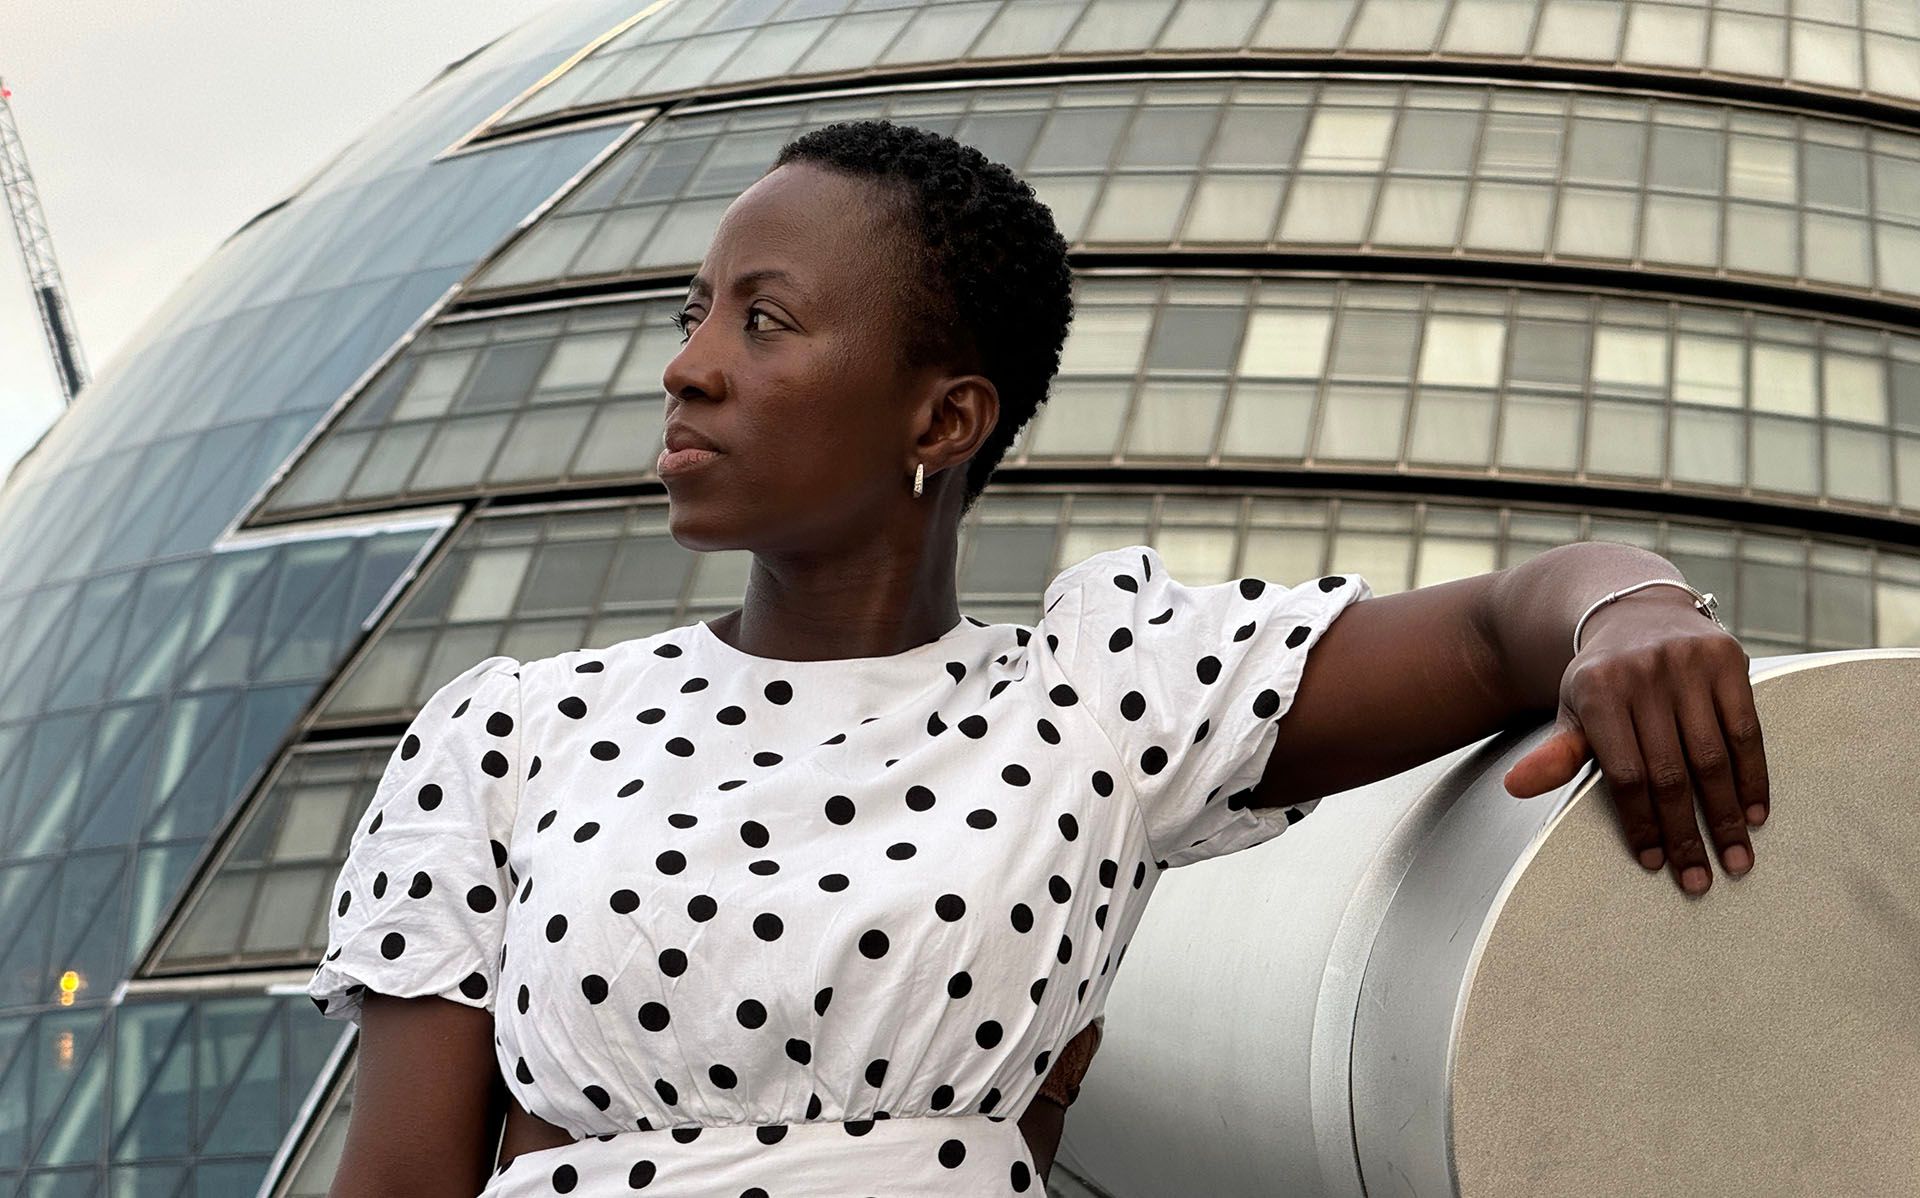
column 1189, row 684
column 420, row 904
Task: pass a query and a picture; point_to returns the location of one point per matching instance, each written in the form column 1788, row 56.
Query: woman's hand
column 1661, row 699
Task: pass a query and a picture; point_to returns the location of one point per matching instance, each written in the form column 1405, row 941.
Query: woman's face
column 793, row 374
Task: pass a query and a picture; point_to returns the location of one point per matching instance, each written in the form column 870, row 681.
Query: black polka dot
column 409, row 747
column 942, row 1098
column 987, row 1034
column 821, row 998
column 768, row 926
column 873, row 944
column 494, row 763
column 604, row 750
column 833, row 883
column 481, row 899
column 672, row 962
column 799, row 1051
column 950, row 907
column 474, row 985
column 960, row 985
column 751, row 1013
column 624, row 902
column 1022, row 1177
column 900, row 851
column 595, row 988
column 840, row 809
column 952, row 1152
column 585, row 832
column 722, row 1076
column 429, row 797
column 670, row 862
column 641, row 1175
column 654, row 1017
column 573, row 707
column 556, row 928
column 1022, row 917
column 598, row 1097
column 392, row 945
column 919, row 798
column 754, row 833
column 701, row 908
column 564, row 1179
column 981, row 818
column 876, row 1071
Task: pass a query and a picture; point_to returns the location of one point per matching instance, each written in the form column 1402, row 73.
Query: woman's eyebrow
column 700, row 286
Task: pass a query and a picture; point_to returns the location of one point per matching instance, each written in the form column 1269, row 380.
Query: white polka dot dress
column 786, row 929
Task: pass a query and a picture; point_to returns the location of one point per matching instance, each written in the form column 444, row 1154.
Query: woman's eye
column 683, row 318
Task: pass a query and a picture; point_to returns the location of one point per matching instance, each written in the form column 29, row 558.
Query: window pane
column 1234, row 208
column 1284, row 343
column 1259, row 136
column 1176, row 418
column 1079, row 139
column 1119, row 25
column 1855, row 388
column 1490, row 27
column 1539, row 432
column 1361, row 424
column 1857, row 465
column 624, row 439
column 1080, row 419
column 1749, row 45
column 1630, row 361
column 684, row 233
column 1899, row 259
column 1452, row 427
column 1686, row 160
column 1419, row 212
column 1146, row 208
column 542, row 444
column 1171, row 137
column 1327, row 210
column 1397, row 25
column 1586, row 29
column 1441, row 142
column 504, row 377
column 1597, row 224
column 1907, row 467
column 1763, row 240
column 384, row 472
column 1520, row 146
column 1347, row 139
column 1207, row 24
column 1196, row 338
column 1375, row 345
column 1785, row 455
column 1549, row 353
column 1761, row 168
column 1105, row 340
column 1660, row 36
column 1626, row 438
column 1709, row 447
column 1509, row 217
column 435, row 380
column 1837, row 249
column 1600, row 151
column 1268, row 420
column 1836, row 177
column 1682, row 230
column 1709, row 370
column 1783, row 379
column 1462, row 351
column 1069, row 198
column 461, row 452
column 583, row 364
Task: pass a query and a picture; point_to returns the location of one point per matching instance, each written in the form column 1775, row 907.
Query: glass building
column 1412, row 288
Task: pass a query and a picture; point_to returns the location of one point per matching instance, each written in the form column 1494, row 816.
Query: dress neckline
column 720, row 646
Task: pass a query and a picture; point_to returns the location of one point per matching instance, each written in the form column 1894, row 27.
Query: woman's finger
column 1609, row 729
column 1733, row 696
column 1711, row 763
column 1670, row 783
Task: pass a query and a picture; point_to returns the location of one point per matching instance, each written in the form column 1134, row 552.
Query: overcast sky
column 155, row 130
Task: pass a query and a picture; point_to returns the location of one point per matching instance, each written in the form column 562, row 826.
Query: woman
column 805, row 900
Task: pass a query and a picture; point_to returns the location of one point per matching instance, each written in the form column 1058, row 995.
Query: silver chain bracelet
column 1705, row 604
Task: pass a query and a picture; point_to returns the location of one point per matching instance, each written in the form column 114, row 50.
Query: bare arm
column 426, row 1105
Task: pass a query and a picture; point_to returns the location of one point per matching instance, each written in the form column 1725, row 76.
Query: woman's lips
column 680, row 461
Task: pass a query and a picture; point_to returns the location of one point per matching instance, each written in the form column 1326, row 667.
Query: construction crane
column 36, row 247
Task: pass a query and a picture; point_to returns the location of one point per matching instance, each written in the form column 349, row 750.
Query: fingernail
column 1756, row 815
column 1694, row 879
column 1652, row 858
column 1739, row 860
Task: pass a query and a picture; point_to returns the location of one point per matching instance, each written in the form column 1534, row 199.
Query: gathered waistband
column 943, row 1156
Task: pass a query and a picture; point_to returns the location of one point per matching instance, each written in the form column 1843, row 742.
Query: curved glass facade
column 1411, row 288
column 1577, row 176
column 1867, row 49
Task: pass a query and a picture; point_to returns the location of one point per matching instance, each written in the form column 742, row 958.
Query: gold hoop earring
column 919, row 478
